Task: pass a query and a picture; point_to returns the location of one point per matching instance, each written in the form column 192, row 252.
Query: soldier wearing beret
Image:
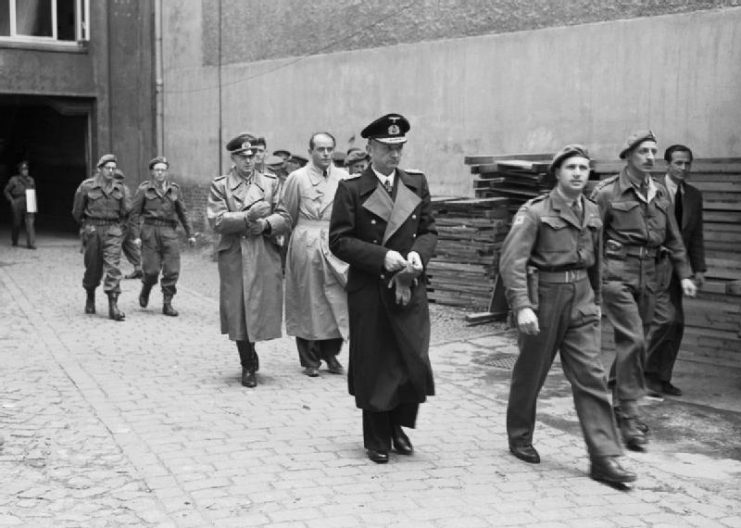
column 101, row 207
column 243, row 209
column 638, row 220
column 129, row 248
column 158, row 206
column 15, row 193
column 356, row 161
column 382, row 225
column 550, row 268
column 316, row 303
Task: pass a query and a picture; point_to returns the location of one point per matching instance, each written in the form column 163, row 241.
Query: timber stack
column 713, row 318
column 470, row 234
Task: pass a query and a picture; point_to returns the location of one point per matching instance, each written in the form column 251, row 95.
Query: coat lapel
column 404, row 205
column 380, row 204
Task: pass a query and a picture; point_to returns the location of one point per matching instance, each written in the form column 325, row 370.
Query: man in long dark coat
column 382, row 226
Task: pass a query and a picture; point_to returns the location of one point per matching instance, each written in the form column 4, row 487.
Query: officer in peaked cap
column 15, row 193
column 382, row 226
column 243, row 209
column 159, row 203
column 555, row 297
column 638, row 221
column 282, row 153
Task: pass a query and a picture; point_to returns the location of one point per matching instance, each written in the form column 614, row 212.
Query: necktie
column 387, row 185
column 678, row 205
column 576, row 207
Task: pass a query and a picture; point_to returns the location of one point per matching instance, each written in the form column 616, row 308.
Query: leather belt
column 641, row 252
column 102, row 221
column 562, row 277
column 160, row 222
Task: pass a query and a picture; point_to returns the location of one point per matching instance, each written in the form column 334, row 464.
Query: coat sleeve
column 182, row 211
column 696, row 242
column 280, row 221
column 426, row 238
column 219, row 217
column 595, row 272
column 344, row 240
column 674, row 242
column 290, row 195
column 125, row 210
column 78, row 203
column 515, row 256
column 135, row 214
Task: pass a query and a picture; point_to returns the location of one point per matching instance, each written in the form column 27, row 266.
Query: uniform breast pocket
column 555, row 235
column 626, row 216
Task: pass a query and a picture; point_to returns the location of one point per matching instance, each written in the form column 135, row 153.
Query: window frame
column 82, row 32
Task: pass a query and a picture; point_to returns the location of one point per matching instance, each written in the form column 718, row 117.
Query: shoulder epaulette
column 606, row 182
column 270, row 175
column 219, row 178
column 414, row 172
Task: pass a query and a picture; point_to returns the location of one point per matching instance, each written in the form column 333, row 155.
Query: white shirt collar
column 670, row 186
column 383, row 178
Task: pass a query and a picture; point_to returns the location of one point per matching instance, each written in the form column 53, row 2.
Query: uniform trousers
column 569, row 323
column 628, row 298
column 667, row 329
column 160, row 252
column 378, row 427
column 102, row 256
column 20, row 216
column 312, row 351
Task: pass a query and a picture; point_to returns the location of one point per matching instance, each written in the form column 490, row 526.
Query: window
column 44, row 20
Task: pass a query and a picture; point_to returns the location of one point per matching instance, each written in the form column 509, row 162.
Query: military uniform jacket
column 251, row 279
column 632, row 220
column 389, row 361
column 93, row 201
column 547, row 234
column 153, row 202
column 16, row 187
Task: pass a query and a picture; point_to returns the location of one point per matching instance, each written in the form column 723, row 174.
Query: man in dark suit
column 667, row 328
column 382, row 226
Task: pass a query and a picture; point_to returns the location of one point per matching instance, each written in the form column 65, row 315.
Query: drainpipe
column 159, row 92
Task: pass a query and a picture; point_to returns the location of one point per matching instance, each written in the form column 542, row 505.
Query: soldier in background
column 159, row 204
column 356, row 161
column 15, row 193
column 550, row 267
column 101, row 207
column 638, row 220
column 243, row 209
column 131, row 251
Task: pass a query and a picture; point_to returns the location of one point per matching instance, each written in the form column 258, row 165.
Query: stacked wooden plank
column 713, row 318
column 470, row 234
column 517, row 177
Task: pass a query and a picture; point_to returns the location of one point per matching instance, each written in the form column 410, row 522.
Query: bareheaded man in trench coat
column 316, row 302
column 382, row 226
column 243, row 208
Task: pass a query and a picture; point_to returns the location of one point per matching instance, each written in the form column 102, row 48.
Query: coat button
column 375, row 241
column 414, row 216
column 373, row 222
column 414, row 235
column 383, row 276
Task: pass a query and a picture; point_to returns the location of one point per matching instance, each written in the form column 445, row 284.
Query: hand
column 260, row 209
column 415, row 260
column 689, row 288
column 699, row 279
column 138, row 242
column 192, row 241
column 393, row 261
column 527, row 322
column 258, row 226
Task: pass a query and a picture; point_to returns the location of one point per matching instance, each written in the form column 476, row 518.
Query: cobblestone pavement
column 145, row 423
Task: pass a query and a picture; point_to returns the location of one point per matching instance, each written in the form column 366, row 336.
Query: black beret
column 635, row 139
column 567, row 152
column 390, row 129
column 242, row 143
column 105, row 158
column 158, row 159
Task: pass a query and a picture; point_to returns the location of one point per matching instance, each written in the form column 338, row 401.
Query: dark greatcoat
column 389, row 362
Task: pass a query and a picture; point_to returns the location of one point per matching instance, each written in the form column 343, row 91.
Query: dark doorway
column 52, row 134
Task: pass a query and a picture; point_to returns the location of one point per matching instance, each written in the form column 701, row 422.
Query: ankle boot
column 90, row 301
column 144, row 294
column 255, row 357
column 167, row 308
column 113, row 311
column 249, row 379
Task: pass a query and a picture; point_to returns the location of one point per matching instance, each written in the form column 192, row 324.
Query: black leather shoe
column 379, row 457
column 136, row 274
column 31, row 246
column 334, row 366
column 608, row 469
column 670, row 389
column 653, row 387
column 525, row 452
column 249, row 379
column 401, row 442
column 634, row 437
column 312, row 372
column 90, row 302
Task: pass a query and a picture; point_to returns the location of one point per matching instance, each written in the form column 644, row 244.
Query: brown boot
column 167, row 308
column 113, row 311
column 90, row 301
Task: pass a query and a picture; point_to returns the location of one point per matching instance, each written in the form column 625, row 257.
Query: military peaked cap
column 390, row 129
